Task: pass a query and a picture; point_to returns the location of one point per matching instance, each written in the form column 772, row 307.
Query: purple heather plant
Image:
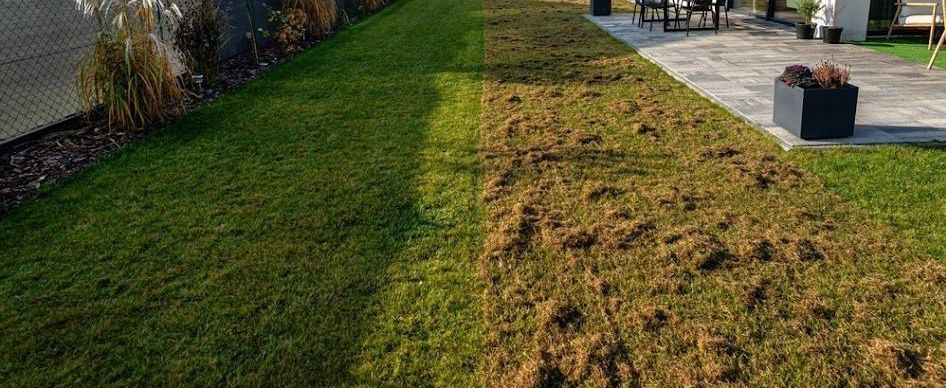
column 798, row 75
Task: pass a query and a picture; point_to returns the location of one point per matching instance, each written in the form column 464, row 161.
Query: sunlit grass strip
column 316, row 227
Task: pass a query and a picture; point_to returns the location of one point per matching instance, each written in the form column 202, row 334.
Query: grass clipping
column 639, row 235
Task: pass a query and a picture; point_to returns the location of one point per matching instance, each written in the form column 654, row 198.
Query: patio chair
column 724, row 6
column 698, row 6
column 912, row 14
column 656, row 7
column 635, row 9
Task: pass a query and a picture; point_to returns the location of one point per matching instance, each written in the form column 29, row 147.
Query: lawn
column 472, row 193
column 902, row 185
column 639, row 234
column 316, row 227
column 912, row 48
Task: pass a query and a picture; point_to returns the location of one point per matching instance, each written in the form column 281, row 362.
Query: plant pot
column 831, row 35
column 815, row 113
column 600, row 7
column 804, row 30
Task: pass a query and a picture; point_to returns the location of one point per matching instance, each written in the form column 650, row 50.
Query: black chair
column 656, row 7
column 702, row 7
column 725, row 7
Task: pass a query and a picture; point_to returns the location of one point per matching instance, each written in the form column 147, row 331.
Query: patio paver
column 900, row 101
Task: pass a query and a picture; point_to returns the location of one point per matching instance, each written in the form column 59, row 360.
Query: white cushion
column 923, row 20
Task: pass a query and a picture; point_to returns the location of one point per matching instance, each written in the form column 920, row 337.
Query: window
column 881, row 14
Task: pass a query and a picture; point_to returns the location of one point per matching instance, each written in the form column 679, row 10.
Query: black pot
column 804, row 30
column 815, row 113
column 831, row 35
column 600, row 7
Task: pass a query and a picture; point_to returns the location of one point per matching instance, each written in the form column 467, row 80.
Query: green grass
column 323, row 226
column 316, row 227
column 913, row 49
column 902, row 185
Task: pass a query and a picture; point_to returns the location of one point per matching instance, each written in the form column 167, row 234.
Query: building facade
column 858, row 17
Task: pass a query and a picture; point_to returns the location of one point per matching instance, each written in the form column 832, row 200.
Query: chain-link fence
column 42, row 43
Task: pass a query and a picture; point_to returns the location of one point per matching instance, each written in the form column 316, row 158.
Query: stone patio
column 900, row 101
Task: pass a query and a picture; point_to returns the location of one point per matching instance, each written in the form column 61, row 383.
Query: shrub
column 290, row 30
column 798, row 75
column 808, row 8
column 321, row 16
column 129, row 72
column 831, row 75
column 375, row 5
column 200, row 37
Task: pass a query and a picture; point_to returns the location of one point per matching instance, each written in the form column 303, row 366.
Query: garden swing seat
column 913, row 14
column 939, row 45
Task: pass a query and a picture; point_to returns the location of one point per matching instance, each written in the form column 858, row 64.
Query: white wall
column 852, row 15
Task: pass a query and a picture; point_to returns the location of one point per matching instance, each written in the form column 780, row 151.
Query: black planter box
column 804, row 30
column 815, row 113
column 831, row 35
column 600, row 7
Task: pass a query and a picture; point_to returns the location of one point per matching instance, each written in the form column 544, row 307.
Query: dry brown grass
column 128, row 74
column 375, row 5
column 639, row 235
column 320, row 16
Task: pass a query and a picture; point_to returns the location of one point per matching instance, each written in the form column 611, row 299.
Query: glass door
column 780, row 10
column 759, row 8
column 784, row 10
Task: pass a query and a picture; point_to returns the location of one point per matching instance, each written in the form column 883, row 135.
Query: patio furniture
column 689, row 7
column 655, row 6
column 641, row 7
column 939, row 45
column 702, row 22
column 725, row 10
column 600, row 7
column 911, row 14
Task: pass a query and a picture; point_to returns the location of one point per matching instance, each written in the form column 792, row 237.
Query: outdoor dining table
column 715, row 13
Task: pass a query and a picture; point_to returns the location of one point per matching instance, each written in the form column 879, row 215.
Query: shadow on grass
column 247, row 244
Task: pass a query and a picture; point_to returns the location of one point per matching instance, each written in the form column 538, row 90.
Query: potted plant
column 600, row 7
column 806, row 10
column 830, row 32
column 816, row 104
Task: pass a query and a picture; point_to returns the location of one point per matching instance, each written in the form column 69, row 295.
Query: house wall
column 850, row 14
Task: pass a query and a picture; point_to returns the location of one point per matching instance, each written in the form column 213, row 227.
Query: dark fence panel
column 43, row 41
column 247, row 17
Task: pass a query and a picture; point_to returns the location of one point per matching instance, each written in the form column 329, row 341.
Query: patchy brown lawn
column 638, row 234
